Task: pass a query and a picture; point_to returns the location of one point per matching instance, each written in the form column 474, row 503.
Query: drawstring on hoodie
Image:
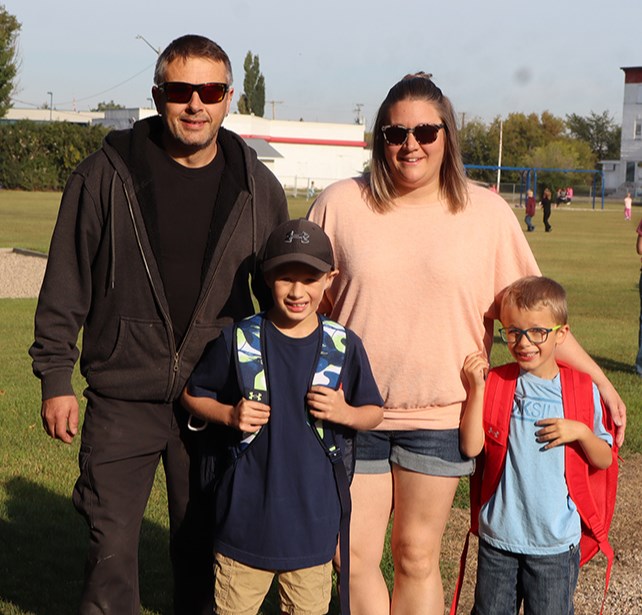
column 112, row 233
column 254, row 223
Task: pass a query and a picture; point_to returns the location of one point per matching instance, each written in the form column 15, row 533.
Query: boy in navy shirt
column 277, row 507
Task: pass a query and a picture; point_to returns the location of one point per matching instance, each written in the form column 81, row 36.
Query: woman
column 422, row 254
column 546, row 208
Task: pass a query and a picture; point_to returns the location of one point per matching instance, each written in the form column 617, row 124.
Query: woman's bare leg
column 371, row 506
column 422, row 506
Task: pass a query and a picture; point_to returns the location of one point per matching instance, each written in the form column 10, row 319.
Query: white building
column 625, row 174
column 119, row 119
column 302, row 155
column 52, row 115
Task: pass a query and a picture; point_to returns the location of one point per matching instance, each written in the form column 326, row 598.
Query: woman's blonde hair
column 453, row 184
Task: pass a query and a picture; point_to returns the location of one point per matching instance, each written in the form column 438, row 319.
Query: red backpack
column 592, row 490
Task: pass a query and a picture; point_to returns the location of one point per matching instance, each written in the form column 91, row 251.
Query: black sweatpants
column 122, row 443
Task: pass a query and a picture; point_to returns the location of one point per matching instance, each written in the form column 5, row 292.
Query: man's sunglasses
column 180, row 92
column 424, row 133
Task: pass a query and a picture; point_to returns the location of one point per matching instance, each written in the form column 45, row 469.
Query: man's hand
column 60, row 417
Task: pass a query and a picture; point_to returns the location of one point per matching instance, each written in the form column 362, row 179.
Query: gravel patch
column 21, row 273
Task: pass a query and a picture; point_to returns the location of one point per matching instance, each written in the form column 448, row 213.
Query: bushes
column 35, row 156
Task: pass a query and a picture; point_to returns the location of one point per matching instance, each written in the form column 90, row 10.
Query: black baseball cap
column 298, row 241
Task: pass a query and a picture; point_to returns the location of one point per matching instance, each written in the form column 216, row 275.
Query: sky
column 334, row 61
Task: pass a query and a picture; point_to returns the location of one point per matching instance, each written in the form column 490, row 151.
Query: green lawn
column 42, row 538
column 27, row 219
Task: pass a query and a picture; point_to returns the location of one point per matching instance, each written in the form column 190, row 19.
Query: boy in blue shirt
column 530, row 528
column 277, row 506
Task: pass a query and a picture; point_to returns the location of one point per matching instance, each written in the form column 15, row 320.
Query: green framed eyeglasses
column 535, row 335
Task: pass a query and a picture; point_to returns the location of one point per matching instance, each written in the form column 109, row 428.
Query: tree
column 521, row 134
column 9, row 63
column 552, row 126
column 562, row 154
column 42, row 156
column 252, row 101
column 104, row 106
column 599, row 131
column 476, row 148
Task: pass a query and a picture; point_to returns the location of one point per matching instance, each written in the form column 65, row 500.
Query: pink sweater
column 418, row 284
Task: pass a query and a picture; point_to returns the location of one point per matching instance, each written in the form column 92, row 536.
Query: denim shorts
column 434, row 452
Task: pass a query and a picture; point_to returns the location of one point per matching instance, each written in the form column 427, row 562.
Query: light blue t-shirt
column 531, row 511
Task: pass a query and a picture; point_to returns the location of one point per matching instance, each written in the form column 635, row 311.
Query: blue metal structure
column 528, row 174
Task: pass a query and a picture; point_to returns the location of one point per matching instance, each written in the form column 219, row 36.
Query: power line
column 75, row 100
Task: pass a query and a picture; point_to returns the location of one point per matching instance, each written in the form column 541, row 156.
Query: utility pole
column 357, row 110
column 275, row 102
column 50, row 106
column 499, row 158
column 142, row 38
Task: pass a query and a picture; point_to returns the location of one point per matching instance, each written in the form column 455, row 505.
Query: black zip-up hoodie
column 102, row 274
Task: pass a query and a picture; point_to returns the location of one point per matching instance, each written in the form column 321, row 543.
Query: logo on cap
column 303, row 237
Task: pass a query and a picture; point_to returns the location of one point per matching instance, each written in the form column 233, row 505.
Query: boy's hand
column 476, row 369
column 249, row 416
column 560, row 431
column 327, row 404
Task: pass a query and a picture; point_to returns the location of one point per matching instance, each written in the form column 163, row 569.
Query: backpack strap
column 249, row 352
column 499, row 392
column 498, row 403
column 583, row 481
column 330, row 362
column 331, row 358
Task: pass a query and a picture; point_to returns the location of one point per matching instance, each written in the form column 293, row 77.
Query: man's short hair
column 536, row 292
column 191, row 46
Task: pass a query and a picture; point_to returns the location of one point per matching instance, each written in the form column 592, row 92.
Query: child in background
column 531, row 204
column 546, row 208
column 528, row 544
column 628, row 206
column 277, row 507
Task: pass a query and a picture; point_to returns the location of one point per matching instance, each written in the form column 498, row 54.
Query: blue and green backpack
column 336, row 440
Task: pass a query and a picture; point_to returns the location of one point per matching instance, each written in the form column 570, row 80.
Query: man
column 156, row 238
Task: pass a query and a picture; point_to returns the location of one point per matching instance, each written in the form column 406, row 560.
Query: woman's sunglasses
column 180, row 92
column 424, row 133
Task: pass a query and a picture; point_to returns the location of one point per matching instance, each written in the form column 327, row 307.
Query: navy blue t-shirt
column 278, row 506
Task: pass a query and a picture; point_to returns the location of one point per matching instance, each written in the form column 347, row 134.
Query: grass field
column 42, row 538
